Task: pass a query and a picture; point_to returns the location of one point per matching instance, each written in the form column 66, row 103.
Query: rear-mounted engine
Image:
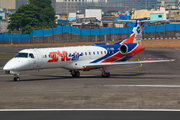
column 130, row 49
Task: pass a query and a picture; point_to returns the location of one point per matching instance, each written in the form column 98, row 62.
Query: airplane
column 82, row 58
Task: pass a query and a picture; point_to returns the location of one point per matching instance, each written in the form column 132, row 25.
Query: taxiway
column 138, row 86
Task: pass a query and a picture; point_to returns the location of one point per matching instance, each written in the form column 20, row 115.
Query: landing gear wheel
column 75, row 74
column 15, row 78
column 18, row 79
column 106, row 75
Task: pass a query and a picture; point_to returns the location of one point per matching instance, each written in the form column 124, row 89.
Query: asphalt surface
column 140, row 86
column 90, row 115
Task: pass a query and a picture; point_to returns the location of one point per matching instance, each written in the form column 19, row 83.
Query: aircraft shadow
column 64, row 77
column 113, row 76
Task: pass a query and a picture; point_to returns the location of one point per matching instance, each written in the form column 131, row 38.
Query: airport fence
column 73, row 34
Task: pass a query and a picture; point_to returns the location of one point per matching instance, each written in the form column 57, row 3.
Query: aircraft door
column 38, row 58
column 31, row 60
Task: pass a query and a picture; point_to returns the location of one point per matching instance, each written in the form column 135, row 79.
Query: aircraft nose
column 7, row 67
column 11, row 65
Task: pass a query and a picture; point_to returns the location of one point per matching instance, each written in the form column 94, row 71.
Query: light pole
column 7, row 6
column 169, row 9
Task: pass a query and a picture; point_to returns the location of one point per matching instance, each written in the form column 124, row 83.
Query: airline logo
column 75, row 56
column 63, row 56
column 138, row 30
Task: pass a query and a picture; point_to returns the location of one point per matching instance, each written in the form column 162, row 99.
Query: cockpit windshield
column 22, row 55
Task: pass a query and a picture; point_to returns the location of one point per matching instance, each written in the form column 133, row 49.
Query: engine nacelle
column 130, row 49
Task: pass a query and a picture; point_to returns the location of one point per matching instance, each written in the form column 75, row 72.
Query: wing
column 94, row 65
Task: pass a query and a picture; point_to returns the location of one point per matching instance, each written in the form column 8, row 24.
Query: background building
column 175, row 14
column 10, row 4
column 172, row 3
column 67, row 6
column 160, row 14
column 20, row 2
column 143, row 13
column 139, row 4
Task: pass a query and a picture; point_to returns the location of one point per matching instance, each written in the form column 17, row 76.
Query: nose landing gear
column 16, row 77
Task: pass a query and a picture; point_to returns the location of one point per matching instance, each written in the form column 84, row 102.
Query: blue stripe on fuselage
column 131, row 46
column 110, row 48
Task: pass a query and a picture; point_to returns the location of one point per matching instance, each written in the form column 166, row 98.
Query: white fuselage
column 72, row 58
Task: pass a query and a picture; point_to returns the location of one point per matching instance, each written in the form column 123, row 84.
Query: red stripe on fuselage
column 137, row 50
column 113, row 58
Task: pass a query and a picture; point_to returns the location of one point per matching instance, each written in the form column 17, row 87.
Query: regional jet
column 81, row 58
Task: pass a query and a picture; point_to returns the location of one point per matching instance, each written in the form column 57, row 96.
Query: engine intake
column 130, row 49
column 123, row 49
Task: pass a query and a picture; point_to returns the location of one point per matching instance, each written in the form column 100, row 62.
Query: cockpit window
column 31, row 55
column 23, row 55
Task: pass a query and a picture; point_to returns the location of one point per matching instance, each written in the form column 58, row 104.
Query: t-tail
column 137, row 32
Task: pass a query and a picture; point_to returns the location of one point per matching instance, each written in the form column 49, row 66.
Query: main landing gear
column 16, row 77
column 106, row 75
column 105, row 72
column 75, row 73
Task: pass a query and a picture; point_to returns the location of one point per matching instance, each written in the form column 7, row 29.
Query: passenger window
column 101, row 52
column 85, row 53
column 89, row 53
column 69, row 54
column 104, row 52
column 78, row 54
column 49, row 56
column 82, row 53
column 45, row 56
column 94, row 53
column 31, row 55
column 109, row 52
column 112, row 51
column 98, row 52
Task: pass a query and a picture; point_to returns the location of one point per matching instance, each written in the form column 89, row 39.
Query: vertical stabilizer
column 136, row 35
column 137, row 32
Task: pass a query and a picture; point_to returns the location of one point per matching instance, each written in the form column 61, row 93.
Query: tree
column 26, row 17
column 37, row 14
column 47, row 13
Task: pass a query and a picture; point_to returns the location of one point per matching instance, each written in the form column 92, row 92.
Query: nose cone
column 8, row 65
column 13, row 64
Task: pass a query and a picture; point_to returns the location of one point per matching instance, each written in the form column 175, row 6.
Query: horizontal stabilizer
column 143, row 21
column 96, row 65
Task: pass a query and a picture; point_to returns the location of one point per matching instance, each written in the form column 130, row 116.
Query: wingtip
column 172, row 60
